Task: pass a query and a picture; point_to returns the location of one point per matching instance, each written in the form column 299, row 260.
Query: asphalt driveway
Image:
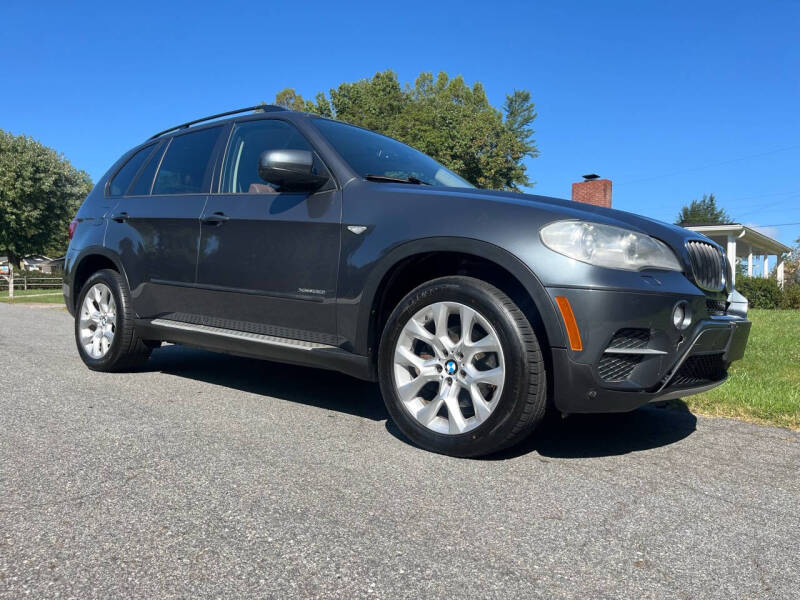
column 215, row 476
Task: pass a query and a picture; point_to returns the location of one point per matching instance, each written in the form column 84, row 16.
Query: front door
column 268, row 260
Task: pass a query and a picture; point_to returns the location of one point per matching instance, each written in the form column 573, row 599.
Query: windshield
column 372, row 155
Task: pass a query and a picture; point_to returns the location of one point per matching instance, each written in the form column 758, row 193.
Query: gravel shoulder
column 215, row 476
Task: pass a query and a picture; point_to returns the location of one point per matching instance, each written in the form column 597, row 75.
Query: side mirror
column 291, row 170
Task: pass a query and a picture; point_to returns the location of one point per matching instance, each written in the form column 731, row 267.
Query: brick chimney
column 592, row 190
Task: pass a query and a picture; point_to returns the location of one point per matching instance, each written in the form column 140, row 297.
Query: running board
column 244, row 336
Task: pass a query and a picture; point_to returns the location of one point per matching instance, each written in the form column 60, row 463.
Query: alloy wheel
column 449, row 368
column 98, row 321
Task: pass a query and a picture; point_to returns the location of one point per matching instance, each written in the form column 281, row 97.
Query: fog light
column 682, row 315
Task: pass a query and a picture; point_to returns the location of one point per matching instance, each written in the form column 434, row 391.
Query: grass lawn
column 49, row 296
column 764, row 386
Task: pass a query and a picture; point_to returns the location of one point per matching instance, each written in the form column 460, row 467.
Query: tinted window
column 145, row 179
column 369, row 153
column 125, row 175
column 186, row 168
column 249, row 140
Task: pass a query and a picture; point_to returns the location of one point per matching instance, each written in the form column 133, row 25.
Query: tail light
column 72, row 225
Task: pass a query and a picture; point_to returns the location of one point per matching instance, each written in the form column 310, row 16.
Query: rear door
column 268, row 259
column 155, row 227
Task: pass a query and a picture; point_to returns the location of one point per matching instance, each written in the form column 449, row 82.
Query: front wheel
column 460, row 367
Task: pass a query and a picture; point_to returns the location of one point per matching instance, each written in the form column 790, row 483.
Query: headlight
column 608, row 246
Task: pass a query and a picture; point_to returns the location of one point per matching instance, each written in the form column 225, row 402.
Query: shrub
column 790, row 298
column 762, row 293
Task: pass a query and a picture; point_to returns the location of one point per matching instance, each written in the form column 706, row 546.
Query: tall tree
column 440, row 116
column 40, row 191
column 702, row 212
column 792, row 264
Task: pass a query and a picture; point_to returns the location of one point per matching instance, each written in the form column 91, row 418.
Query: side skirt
column 256, row 345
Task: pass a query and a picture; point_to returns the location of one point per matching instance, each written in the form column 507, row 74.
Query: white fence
column 48, row 286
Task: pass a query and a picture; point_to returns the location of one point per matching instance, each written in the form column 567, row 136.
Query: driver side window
column 248, row 141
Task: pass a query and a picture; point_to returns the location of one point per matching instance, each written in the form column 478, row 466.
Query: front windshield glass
column 372, row 154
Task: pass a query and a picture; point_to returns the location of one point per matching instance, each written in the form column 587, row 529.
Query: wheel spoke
column 491, row 376
column 404, row 356
column 440, row 314
column 92, row 318
column 467, row 316
column 482, row 409
column 409, row 391
column 455, row 417
column 96, row 345
column 416, row 330
column 485, row 345
column 431, row 409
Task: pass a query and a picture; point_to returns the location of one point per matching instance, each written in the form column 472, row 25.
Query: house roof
column 743, row 233
column 36, row 258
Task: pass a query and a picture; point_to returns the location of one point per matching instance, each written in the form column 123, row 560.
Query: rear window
column 186, row 168
column 144, row 181
column 122, row 180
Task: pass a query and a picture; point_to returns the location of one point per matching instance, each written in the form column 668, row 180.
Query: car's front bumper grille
column 625, row 350
column 617, row 367
column 699, row 370
column 708, row 265
column 717, row 307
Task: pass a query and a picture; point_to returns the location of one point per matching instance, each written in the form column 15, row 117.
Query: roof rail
column 260, row 107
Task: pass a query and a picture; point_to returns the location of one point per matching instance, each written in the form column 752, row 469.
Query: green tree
column 702, row 212
column 792, row 264
column 440, row 116
column 40, row 191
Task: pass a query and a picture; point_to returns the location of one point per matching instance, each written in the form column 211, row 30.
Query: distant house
column 34, row 262
column 55, row 266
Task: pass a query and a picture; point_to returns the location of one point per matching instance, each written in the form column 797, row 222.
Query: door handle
column 120, row 217
column 215, row 219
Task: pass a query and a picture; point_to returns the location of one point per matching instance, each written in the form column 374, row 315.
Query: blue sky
column 669, row 100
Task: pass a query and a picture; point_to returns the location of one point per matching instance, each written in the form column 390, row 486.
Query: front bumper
column 615, row 373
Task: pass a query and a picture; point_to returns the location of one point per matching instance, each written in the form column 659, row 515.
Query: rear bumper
column 670, row 364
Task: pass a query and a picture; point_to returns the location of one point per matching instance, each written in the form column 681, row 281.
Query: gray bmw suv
column 295, row 238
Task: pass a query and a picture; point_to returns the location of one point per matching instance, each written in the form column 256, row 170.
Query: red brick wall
column 597, row 192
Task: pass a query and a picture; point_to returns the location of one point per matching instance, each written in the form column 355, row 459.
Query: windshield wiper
column 387, row 179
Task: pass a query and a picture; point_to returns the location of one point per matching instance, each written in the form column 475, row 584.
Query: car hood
column 559, row 208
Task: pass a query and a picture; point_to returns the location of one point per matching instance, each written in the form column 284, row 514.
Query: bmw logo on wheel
column 450, row 366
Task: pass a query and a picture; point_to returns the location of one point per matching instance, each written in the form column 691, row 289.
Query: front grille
column 699, row 370
column 708, row 265
column 630, row 338
column 717, row 307
column 617, row 367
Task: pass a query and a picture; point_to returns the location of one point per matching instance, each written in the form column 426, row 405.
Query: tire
column 509, row 407
column 125, row 351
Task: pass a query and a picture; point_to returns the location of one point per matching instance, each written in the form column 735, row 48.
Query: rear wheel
column 104, row 325
column 460, row 368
